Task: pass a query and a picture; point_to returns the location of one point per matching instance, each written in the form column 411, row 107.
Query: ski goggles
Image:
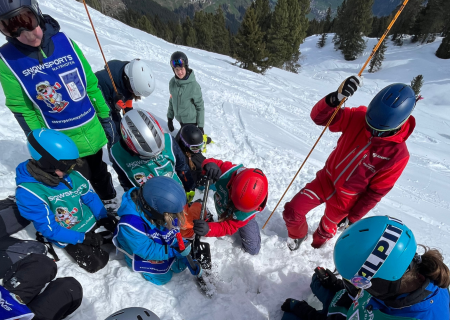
column 380, row 133
column 22, row 20
column 67, row 165
column 195, row 148
column 178, row 63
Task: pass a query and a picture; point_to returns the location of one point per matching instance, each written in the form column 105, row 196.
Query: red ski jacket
column 361, row 169
column 228, row 227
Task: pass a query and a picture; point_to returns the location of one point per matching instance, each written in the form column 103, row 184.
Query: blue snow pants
column 161, row 279
column 251, row 237
column 324, row 295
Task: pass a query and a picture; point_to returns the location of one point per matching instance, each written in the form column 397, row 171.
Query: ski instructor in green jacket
column 48, row 83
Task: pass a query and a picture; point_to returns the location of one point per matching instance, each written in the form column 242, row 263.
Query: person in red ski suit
column 241, row 194
column 369, row 158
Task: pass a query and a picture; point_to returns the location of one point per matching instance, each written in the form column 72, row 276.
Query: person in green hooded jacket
column 186, row 100
column 48, row 83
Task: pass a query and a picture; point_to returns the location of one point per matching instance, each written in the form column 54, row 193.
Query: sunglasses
column 23, row 20
column 177, row 63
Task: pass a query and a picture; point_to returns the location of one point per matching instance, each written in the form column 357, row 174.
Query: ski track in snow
column 264, row 123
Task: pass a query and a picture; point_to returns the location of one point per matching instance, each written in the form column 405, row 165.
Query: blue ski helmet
column 391, row 107
column 51, row 148
column 161, row 194
column 376, row 247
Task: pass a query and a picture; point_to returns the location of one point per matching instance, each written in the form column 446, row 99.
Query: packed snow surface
column 261, row 121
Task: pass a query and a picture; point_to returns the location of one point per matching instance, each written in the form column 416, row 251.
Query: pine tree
column 145, row 25
column 358, row 16
column 378, row 57
column 177, row 32
column 443, row 51
column 220, row 37
column 189, row 34
column 327, row 21
column 250, row 47
column 203, row 25
column 263, row 14
column 322, row 41
column 339, row 24
column 95, row 4
column 279, row 31
column 416, row 84
column 431, row 22
column 298, row 24
column 405, row 21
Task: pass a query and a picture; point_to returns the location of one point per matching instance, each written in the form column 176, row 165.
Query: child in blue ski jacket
column 383, row 277
column 146, row 233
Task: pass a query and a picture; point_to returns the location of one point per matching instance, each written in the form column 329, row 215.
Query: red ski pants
column 312, row 195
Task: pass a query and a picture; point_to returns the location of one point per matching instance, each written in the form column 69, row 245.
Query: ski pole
column 100, row 46
column 375, row 49
column 196, row 241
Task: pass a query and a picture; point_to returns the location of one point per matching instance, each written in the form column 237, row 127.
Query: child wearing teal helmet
column 383, row 277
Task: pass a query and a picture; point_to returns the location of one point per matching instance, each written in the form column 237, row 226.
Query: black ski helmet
column 178, row 55
column 190, row 135
column 391, row 107
column 9, row 8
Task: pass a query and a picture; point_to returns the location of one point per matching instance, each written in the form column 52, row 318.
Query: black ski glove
column 347, row 88
column 328, row 279
column 299, row 308
column 109, row 223
column 170, row 125
column 201, row 129
column 212, row 171
column 110, row 130
column 118, row 101
column 201, row 227
column 93, row 239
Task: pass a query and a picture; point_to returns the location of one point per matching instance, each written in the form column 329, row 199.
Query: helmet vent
column 152, row 128
column 148, row 314
column 139, row 318
column 363, row 230
column 137, row 134
column 389, row 96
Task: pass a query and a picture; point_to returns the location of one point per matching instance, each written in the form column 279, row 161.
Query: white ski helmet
column 142, row 133
column 133, row 313
column 142, row 80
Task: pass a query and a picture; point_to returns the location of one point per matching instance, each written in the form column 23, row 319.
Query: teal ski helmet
column 378, row 247
column 52, row 149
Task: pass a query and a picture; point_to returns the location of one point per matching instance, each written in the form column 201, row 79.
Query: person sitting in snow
column 149, row 220
column 382, row 277
column 369, row 158
column 241, row 194
column 186, row 100
column 48, row 83
column 133, row 79
column 25, row 294
column 145, row 151
column 59, row 200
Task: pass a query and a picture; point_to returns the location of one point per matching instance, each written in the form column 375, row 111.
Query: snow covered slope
column 266, row 125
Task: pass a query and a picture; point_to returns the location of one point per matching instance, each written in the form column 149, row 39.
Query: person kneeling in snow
column 241, row 193
column 150, row 216
column 23, row 297
column 145, row 151
column 59, row 200
column 382, row 277
column 369, row 158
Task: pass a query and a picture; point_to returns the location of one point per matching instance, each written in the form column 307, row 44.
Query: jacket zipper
column 346, row 157
column 354, row 158
column 356, row 167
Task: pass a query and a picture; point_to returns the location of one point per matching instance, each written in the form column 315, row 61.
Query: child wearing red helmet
column 241, row 194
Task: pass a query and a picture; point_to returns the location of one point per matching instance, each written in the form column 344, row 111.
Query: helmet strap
column 46, row 157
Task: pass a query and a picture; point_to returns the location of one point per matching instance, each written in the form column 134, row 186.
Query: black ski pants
column 96, row 171
column 27, row 277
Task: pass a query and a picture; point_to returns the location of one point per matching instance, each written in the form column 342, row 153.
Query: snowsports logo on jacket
column 141, row 178
column 71, row 193
column 65, row 218
column 4, row 304
column 59, row 63
column 380, row 157
column 48, row 94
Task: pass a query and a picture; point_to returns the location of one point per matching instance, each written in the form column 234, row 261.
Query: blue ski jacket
column 434, row 306
column 134, row 242
column 37, row 211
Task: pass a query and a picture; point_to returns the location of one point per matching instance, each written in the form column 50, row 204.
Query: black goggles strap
column 44, row 153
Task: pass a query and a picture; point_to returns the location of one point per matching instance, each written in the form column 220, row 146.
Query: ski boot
column 206, row 140
column 294, row 244
column 320, row 237
column 343, row 224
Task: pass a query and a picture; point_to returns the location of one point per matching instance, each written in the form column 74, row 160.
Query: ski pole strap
column 40, row 238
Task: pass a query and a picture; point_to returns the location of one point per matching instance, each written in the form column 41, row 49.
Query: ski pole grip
column 180, row 242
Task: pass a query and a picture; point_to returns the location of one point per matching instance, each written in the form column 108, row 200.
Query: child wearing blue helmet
column 150, row 217
column 59, row 200
column 383, row 277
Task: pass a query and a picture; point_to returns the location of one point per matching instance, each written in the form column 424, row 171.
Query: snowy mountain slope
column 265, row 124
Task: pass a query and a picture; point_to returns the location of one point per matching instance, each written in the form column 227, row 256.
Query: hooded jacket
column 362, row 169
column 90, row 137
column 134, row 242
column 186, row 101
column 34, row 209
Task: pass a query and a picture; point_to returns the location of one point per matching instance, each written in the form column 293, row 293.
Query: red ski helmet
column 249, row 190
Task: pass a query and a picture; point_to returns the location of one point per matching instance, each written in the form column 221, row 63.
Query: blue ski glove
column 198, row 270
column 110, row 130
column 178, row 253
